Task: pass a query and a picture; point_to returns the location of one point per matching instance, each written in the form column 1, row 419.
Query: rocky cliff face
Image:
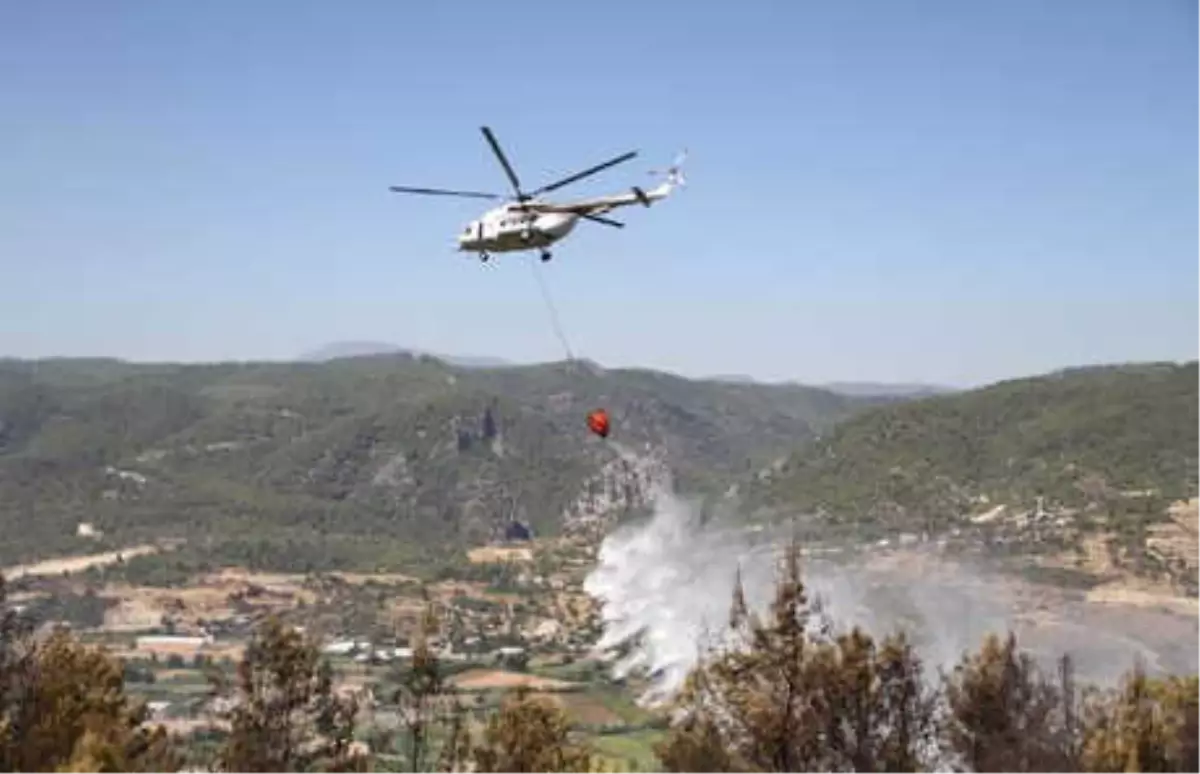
column 623, row 484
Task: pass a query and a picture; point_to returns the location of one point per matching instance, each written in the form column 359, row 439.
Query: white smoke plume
column 665, row 586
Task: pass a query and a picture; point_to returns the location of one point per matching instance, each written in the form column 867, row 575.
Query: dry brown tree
column 785, row 694
column 63, row 706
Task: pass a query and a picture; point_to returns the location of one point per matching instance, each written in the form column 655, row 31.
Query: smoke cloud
column 665, row 586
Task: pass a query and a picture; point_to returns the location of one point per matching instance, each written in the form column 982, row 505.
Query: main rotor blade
column 584, row 173
column 605, row 221
column 512, row 176
column 442, row 192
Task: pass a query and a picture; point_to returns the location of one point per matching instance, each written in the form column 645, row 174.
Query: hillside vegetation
column 1108, row 447
column 371, row 461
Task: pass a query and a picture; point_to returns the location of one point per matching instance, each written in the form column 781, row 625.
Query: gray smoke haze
column 665, row 587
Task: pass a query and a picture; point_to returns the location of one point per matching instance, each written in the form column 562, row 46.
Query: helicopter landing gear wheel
column 483, row 257
column 546, row 256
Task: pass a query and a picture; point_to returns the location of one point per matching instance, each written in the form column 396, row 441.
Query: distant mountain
column 343, row 349
column 853, row 389
column 367, row 461
column 884, row 389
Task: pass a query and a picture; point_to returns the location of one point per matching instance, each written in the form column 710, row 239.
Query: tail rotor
column 673, row 173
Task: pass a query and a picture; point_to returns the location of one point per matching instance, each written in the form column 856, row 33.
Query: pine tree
column 285, row 715
column 786, row 695
column 63, row 706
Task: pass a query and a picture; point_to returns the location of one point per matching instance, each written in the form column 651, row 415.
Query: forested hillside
column 1104, row 449
column 369, row 460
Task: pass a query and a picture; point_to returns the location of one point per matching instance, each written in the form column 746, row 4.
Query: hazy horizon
column 307, row 355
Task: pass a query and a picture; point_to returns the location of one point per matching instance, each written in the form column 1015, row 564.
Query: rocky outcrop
column 622, row 484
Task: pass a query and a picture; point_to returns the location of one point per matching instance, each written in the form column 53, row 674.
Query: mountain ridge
column 362, row 452
column 898, row 389
column 363, row 348
column 1039, row 464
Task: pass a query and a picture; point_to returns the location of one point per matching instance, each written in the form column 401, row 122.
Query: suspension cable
column 554, row 318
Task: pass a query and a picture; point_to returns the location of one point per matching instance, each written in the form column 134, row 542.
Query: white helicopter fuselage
column 509, row 228
column 536, row 224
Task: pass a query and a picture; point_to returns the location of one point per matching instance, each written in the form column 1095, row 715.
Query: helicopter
column 527, row 222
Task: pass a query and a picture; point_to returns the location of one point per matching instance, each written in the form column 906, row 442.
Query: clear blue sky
column 936, row 191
